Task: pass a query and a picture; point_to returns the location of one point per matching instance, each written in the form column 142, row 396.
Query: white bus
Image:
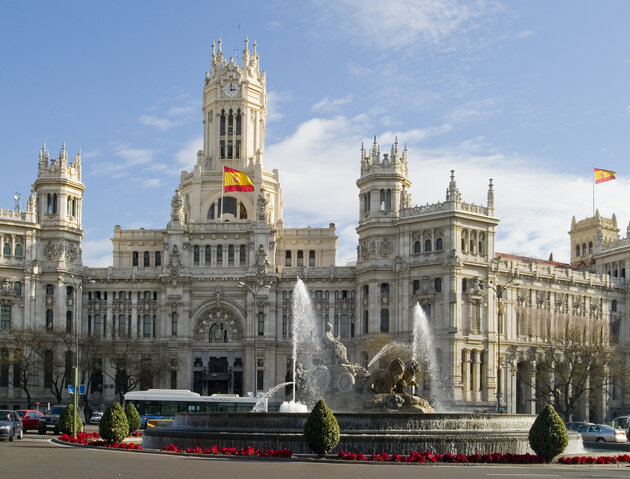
column 165, row 403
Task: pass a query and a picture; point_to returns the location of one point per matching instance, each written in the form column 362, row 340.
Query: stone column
column 476, row 375
column 465, row 371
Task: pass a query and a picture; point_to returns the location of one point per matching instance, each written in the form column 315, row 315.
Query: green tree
column 132, row 417
column 321, row 430
column 114, row 426
column 65, row 421
column 548, row 436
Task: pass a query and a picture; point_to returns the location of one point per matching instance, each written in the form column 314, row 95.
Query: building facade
column 205, row 303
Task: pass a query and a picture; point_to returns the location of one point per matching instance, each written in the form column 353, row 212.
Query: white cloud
column 187, row 155
column 97, row 253
column 524, row 34
column 134, row 156
column 398, row 23
column 161, row 124
column 328, row 105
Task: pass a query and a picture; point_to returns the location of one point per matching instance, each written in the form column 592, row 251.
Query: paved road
column 35, row 457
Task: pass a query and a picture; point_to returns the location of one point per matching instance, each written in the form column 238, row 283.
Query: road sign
column 71, row 388
column 81, row 388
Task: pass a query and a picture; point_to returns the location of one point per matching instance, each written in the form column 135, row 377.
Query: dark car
column 50, row 421
column 30, row 418
column 10, row 425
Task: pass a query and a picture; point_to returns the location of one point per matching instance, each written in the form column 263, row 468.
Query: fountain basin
column 369, row 433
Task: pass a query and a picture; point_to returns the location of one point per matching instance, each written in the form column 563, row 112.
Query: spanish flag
column 603, row 175
column 234, row 180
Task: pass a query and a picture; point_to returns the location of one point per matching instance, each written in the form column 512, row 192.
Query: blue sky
column 532, row 94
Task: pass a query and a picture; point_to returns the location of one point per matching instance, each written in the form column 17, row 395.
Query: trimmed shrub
column 133, row 418
column 548, row 436
column 65, row 421
column 321, row 430
column 114, row 426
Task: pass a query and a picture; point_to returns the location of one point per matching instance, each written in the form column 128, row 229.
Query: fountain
column 377, row 412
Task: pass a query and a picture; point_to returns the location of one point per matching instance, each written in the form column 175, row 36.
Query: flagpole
column 593, row 195
column 223, row 189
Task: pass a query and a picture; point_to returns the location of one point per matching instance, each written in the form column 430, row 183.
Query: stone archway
column 218, row 324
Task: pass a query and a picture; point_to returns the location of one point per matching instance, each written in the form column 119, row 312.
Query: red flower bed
column 230, row 451
column 594, row 460
column 428, row 457
column 93, row 439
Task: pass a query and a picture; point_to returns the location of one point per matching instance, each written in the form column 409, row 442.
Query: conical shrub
column 321, row 430
column 548, row 436
column 114, row 426
column 65, row 420
column 133, row 418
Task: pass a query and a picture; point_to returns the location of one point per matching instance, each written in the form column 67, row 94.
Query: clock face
column 230, row 90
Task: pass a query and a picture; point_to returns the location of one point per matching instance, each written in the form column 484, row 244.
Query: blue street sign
column 81, row 388
column 71, row 388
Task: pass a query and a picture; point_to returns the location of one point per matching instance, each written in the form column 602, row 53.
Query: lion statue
column 394, row 380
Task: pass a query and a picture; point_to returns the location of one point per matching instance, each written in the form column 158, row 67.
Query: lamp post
column 499, row 290
column 77, row 286
column 255, row 287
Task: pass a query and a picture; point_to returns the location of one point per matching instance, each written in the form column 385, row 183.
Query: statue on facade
column 176, row 207
column 262, row 260
column 262, row 205
column 175, row 262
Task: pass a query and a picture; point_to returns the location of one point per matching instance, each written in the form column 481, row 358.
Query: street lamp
column 499, row 290
column 255, row 287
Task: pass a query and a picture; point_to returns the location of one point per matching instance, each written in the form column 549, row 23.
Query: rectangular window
column 300, row 258
column 49, row 320
column 97, row 325
column 287, row 258
column 260, row 380
column 5, row 317
column 147, row 259
column 146, row 326
column 158, row 258
column 122, row 326
column 261, row 324
column 311, row 258
column 174, row 324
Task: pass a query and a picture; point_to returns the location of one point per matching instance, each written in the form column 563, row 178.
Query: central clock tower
column 234, row 111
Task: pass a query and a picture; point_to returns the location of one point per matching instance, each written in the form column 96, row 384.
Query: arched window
column 231, row 254
column 439, row 244
column 311, row 258
column 147, row 259
column 18, row 250
column 388, row 200
column 584, row 249
column 382, row 200
column 158, row 258
column 219, row 255
column 211, row 212
column 577, row 250
column 427, row 246
column 196, row 254
column 243, row 212
column 17, row 288
column 98, row 325
column 384, row 320
column 208, row 255
column 6, row 250
column 284, row 325
column 300, row 258
column 416, row 247
column 242, row 254
column 482, row 242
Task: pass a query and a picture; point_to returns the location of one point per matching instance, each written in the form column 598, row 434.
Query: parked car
column 622, row 422
column 96, row 417
column 10, row 425
column 573, row 426
column 601, row 433
column 50, row 421
column 30, row 418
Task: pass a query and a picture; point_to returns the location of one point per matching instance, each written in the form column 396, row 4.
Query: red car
column 30, row 419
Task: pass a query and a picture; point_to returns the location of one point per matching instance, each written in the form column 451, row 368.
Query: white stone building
column 208, row 297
